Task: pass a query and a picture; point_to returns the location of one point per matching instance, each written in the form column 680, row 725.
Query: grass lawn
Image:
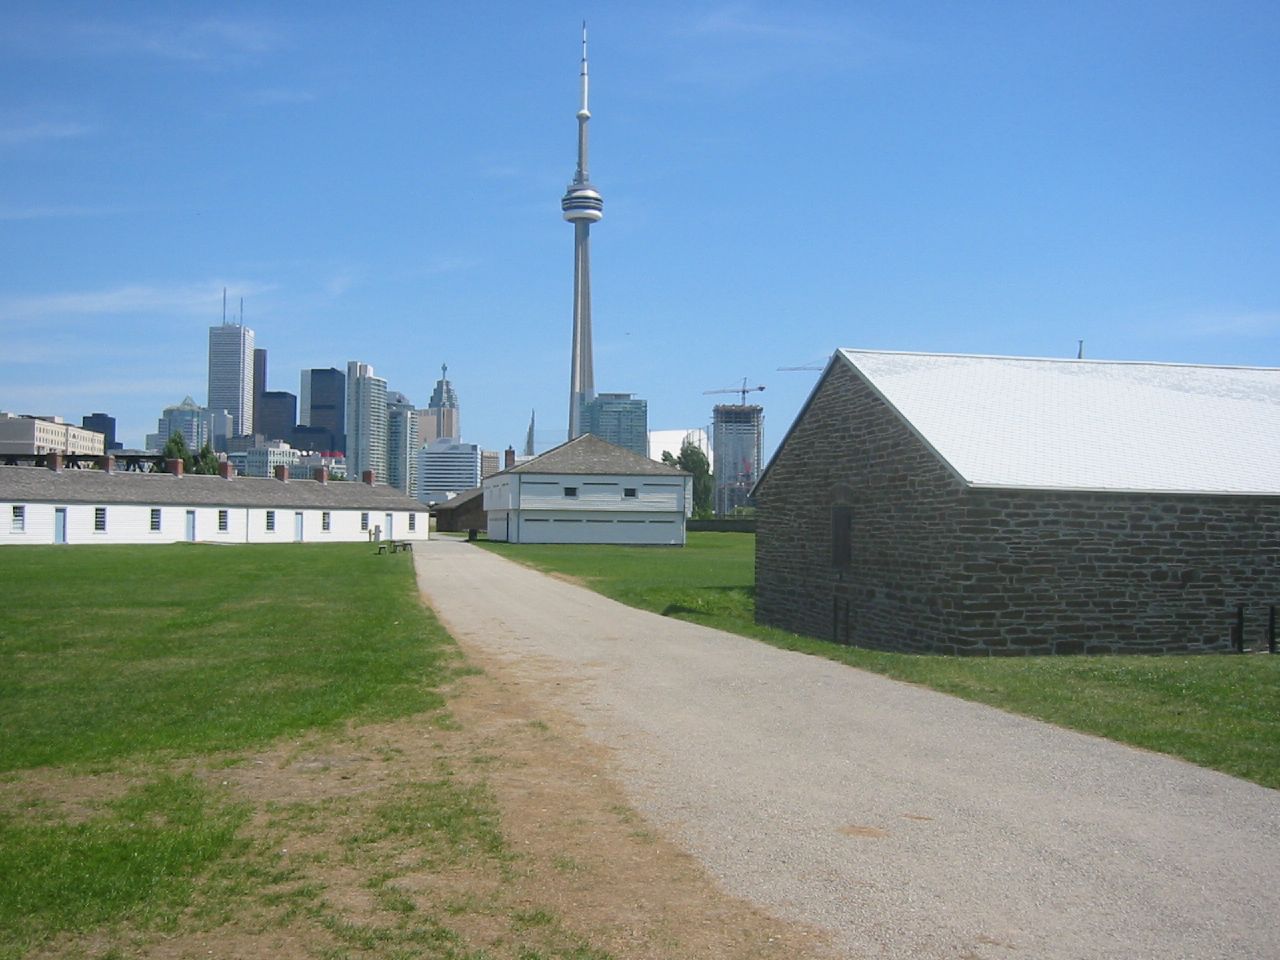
column 180, row 729
column 1220, row 711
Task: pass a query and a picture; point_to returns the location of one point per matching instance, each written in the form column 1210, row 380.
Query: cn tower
column 582, row 206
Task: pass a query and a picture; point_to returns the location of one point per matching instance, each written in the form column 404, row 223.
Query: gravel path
column 907, row 823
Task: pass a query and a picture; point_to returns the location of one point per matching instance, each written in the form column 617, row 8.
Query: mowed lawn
column 1219, row 711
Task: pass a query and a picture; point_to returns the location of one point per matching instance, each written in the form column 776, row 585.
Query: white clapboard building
column 48, row 505
column 589, row 491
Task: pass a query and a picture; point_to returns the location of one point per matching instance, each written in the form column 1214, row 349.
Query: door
column 191, row 526
column 297, row 527
column 390, row 534
column 60, row 525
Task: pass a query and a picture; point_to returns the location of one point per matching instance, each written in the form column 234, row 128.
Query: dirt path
column 903, row 822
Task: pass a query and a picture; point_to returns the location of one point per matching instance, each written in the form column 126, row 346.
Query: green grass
column 1221, row 711
column 109, row 652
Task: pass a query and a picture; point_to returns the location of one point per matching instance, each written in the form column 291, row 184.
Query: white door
column 191, row 526
column 297, row 527
column 60, row 525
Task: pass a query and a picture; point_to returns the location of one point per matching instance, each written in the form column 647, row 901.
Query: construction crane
column 742, row 390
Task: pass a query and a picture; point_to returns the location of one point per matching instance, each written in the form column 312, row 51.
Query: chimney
column 226, row 469
column 282, row 472
column 368, row 477
column 174, row 467
column 53, row 460
column 509, row 458
column 107, row 463
column 320, row 474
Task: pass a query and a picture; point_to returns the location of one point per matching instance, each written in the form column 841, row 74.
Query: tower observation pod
column 582, row 206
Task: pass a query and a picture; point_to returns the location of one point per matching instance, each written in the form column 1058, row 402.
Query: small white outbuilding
column 589, row 491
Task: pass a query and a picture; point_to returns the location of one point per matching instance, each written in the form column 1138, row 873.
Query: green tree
column 175, row 448
column 206, row 461
column 694, row 461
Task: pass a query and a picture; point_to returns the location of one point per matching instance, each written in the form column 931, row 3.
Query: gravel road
column 907, row 823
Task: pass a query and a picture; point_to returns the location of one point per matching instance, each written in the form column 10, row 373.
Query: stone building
column 999, row 505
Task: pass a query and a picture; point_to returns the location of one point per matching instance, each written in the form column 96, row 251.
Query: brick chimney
column 174, row 466
column 107, row 463
column 282, row 472
column 226, row 469
column 53, row 460
column 368, row 477
column 509, row 458
column 320, row 474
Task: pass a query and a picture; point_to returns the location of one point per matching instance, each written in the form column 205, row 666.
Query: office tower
column 490, row 463
column 276, row 415
column 259, row 386
column 620, row 418
column 231, row 373
column 402, row 444
column 736, row 433
column 366, row 421
column 582, row 206
column 528, row 437
column 104, row 424
column 322, row 405
column 442, row 419
column 187, row 418
column 446, row 467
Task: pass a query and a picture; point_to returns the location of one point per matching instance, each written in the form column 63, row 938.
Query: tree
column 206, row 461
column 693, row 460
column 175, row 448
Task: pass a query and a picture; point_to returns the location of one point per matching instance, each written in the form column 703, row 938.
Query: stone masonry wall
column 938, row 567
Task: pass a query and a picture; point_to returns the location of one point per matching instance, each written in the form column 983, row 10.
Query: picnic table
column 395, row 546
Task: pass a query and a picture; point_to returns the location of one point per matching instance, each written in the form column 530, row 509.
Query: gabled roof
column 588, row 454
column 41, row 485
column 462, row 499
column 1103, row 425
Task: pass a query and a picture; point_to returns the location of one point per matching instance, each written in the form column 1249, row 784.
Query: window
column 271, row 521
column 364, row 521
column 841, row 536
column 19, row 524
column 155, row 518
column 99, row 519
column 570, row 491
column 324, row 521
column 413, row 522
column 629, row 492
column 222, row 521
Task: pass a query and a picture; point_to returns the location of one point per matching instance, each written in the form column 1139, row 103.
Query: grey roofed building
column 589, row 454
column 1012, row 505
column 41, row 485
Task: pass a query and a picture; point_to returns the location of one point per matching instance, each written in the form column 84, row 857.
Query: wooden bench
column 395, row 546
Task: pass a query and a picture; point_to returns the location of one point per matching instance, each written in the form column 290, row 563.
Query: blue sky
column 381, row 182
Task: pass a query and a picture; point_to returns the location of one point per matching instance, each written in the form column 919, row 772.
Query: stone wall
column 935, row 566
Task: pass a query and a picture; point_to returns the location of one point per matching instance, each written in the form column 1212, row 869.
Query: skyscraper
column 620, row 418
column 277, row 414
column 104, row 424
column 366, row 422
column 443, row 418
column 737, row 429
column 402, row 444
column 446, row 467
column 259, row 387
column 582, row 206
column 231, row 373
column 322, row 405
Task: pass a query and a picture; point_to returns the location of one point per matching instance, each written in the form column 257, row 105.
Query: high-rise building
column 259, row 386
column 528, row 437
column 620, row 418
column 582, row 206
column 276, row 415
column 231, row 373
column 187, row 418
column 104, row 424
column 446, row 467
column 490, row 463
column 366, row 422
column 402, row 444
column 323, row 404
column 442, row 419
column 736, row 434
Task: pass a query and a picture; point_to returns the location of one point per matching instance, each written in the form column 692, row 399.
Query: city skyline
column 784, row 180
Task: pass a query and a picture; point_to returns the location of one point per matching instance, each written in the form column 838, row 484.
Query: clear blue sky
column 381, row 181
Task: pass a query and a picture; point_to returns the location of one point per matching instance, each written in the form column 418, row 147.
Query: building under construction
column 737, row 429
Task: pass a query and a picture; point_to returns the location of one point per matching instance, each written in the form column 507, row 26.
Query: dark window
column 222, row 521
column 628, row 491
column 570, row 491
column 19, row 524
column 271, row 521
column 841, row 535
column 364, row 521
column 155, row 518
column 100, row 519
column 413, row 521
column 324, row 521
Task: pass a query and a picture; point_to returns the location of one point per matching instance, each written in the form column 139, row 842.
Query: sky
column 381, row 182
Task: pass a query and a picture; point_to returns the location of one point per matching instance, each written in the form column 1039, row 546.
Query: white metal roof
column 1088, row 424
